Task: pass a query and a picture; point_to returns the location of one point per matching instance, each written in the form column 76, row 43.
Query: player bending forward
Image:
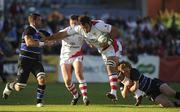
column 138, row 93
column 99, row 35
column 156, row 89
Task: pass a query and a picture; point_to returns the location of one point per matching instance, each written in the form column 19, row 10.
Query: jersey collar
column 34, row 28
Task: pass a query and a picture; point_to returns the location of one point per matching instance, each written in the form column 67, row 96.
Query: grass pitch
column 57, row 99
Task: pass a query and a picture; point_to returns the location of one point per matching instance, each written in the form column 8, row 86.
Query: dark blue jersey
column 144, row 82
column 30, row 52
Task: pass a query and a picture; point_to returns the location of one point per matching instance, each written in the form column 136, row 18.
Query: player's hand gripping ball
column 105, row 39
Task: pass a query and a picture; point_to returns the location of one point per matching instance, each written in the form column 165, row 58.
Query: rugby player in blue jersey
column 156, row 89
column 30, row 60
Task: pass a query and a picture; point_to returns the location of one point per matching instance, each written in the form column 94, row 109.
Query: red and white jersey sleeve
column 71, row 45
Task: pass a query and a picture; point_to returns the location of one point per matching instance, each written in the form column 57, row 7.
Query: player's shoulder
column 134, row 74
column 29, row 30
column 135, row 70
column 97, row 22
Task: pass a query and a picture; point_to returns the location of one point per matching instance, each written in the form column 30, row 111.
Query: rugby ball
column 105, row 38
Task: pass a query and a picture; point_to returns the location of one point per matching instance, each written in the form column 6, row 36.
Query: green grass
column 58, row 98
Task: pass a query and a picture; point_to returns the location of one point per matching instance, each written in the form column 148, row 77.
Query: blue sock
column 40, row 93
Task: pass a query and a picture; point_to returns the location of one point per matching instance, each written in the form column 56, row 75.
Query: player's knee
column 19, row 88
column 169, row 93
column 167, row 104
column 41, row 79
column 163, row 101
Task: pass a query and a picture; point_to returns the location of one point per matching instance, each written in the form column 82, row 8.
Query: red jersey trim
column 79, row 53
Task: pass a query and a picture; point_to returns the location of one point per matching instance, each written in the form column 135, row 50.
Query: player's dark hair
column 33, row 16
column 74, row 17
column 125, row 64
column 84, row 20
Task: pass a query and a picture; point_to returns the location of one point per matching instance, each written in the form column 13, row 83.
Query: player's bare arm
column 126, row 89
column 43, row 37
column 30, row 42
column 135, row 86
column 33, row 43
column 56, row 36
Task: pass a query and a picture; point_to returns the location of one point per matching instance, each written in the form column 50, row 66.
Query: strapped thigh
column 111, row 63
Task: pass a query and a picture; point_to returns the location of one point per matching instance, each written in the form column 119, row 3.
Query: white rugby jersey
column 98, row 27
column 71, row 45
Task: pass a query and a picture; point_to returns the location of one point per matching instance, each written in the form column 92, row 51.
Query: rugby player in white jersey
column 71, row 58
column 100, row 35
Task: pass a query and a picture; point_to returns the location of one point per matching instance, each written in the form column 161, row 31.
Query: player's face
column 73, row 22
column 86, row 27
column 124, row 70
column 38, row 22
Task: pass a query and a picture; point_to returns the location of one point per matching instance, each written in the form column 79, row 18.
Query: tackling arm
column 30, row 42
column 56, row 36
column 125, row 91
column 135, row 86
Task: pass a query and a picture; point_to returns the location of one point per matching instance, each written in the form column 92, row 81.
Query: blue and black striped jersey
column 30, row 52
column 144, row 81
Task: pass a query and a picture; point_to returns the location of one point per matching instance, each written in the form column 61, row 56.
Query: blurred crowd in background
column 139, row 35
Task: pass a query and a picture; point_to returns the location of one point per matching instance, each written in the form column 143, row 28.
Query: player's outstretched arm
column 30, row 42
column 127, row 85
column 56, row 36
column 33, row 43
